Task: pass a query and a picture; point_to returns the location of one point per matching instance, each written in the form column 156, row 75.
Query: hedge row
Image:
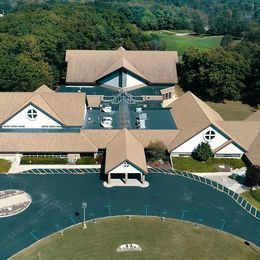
column 43, row 160
column 86, row 160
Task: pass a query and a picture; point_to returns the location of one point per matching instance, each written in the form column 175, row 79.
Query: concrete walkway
column 223, row 178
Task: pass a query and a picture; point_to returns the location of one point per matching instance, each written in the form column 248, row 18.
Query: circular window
column 32, row 114
column 126, row 165
column 209, row 135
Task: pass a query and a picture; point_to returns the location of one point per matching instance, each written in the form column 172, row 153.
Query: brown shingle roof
column 100, row 137
column 43, row 89
column 124, row 147
column 145, row 137
column 253, row 153
column 45, row 142
column 94, row 100
column 154, row 66
column 255, row 117
column 191, row 116
column 67, row 108
column 242, row 132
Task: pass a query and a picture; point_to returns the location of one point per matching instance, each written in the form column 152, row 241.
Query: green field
column 181, row 43
column 232, row 110
column 169, row 239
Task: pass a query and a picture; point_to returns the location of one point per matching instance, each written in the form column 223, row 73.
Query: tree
column 202, row 152
column 214, row 74
column 226, row 40
column 156, row 151
column 253, row 175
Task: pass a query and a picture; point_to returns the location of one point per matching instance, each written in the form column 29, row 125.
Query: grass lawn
column 232, row 110
column 191, row 165
column 169, row 239
column 181, row 43
column 5, row 165
column 253, row 197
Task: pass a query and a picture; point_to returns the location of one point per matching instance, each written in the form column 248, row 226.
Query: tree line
column 229, row 72
column 33, row 41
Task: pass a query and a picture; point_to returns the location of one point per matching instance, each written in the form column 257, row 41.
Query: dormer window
column 32, row 114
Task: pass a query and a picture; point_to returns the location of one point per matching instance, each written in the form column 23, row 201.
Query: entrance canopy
column 125, row 149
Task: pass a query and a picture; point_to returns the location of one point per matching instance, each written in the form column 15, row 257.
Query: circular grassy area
column 169, row 239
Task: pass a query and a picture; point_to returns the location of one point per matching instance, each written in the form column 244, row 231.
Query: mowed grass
column 182, row 43
column 232, row 110
column 5, row 165
column 169, row 239
column 253, row 197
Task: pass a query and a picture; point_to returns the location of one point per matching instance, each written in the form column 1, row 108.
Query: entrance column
column 143, row 178
column 126, row 177
column 109, row 178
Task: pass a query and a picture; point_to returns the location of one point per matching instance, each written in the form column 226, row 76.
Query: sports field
column 181, row 43
column 169, row 239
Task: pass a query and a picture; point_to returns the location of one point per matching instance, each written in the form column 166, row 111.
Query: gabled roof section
column 43, row 89
column 255, row 117
column 46, row 142
column 87, row 66
column 67, row 108
column 242, row 132
column 121, row 63
column 125, row 147
column 191, row 116
column 253, row 153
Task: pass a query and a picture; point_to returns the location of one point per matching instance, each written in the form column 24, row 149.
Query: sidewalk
column 16, row 168
column 223, row 178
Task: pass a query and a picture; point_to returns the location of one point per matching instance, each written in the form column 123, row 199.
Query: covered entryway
column 125, row 161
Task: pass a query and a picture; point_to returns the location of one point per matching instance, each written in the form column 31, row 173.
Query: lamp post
column 84, row 206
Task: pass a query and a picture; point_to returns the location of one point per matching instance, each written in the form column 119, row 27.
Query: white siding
column 122, row 169
column 132, row 81
column 230, row 149
column 189, row 145
column 22, row 121
column 113, row 81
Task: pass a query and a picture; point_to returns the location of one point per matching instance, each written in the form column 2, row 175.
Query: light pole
column 84, row 206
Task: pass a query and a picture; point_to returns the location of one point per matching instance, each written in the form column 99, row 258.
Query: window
column 32, row 114
column 209, row 135
column 126, row 165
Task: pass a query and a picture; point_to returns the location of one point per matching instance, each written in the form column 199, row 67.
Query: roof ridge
column 84, row 134
column 39, row 94
column 199, row 104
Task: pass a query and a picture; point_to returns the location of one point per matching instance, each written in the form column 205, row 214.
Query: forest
column 34, row 35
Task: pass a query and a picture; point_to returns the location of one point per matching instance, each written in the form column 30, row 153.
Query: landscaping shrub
column 43, row 160
column 5, row 165
column 86, row 160
column 202, row 152
column 253, row 175
column 190, row 165
column 156, row 151
column 255, row 194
